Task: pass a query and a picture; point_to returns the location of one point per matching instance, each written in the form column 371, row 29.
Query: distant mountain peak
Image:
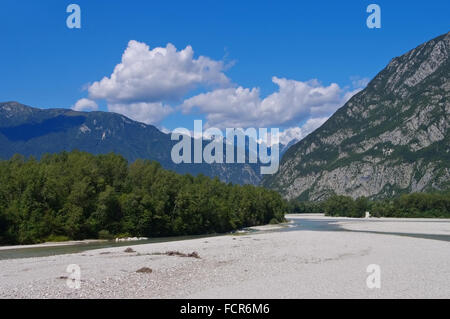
column 12, row 106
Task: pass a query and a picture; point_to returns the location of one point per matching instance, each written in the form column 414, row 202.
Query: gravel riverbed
column 296, row 263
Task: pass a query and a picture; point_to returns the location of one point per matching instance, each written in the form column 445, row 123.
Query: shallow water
column 82, row 247
column 330, row 225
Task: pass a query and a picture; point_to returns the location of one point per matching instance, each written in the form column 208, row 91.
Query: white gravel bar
column 274, row 263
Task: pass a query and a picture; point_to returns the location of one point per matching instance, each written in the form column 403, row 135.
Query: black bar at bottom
column 222, row 308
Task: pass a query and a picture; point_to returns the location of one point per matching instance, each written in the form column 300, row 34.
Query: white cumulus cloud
column 148, row 85
column 159, row 74
column 146, row 79
column 85, row 105
column 298, row 133
column 293, row 103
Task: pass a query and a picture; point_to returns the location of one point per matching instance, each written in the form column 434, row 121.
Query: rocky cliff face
column 393, row 137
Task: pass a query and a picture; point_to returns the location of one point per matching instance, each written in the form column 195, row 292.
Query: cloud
column 146, row 79
column 85, row 105
column 149, row 113
column 160, row 74
column 298, row 133
column 224, row 107
column 293, row 103
column 148, row 84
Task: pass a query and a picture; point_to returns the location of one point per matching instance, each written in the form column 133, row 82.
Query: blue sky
column 45, row 64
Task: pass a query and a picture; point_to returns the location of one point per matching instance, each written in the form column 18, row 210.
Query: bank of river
column 310, row 257
column 307, row 222
column 73, row 247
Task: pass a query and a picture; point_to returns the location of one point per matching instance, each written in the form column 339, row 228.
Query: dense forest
column 415, row 205
column 78, row 195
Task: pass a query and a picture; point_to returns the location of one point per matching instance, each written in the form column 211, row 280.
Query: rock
column 144, row 270
column 391, row 138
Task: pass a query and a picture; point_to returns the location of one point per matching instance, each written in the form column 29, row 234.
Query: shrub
column 80, row 195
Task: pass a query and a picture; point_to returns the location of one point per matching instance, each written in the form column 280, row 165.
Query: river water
column 310, row 224
column 80, row 247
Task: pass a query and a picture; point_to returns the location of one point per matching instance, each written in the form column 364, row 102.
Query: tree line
column 414, row 205
column 77, row 195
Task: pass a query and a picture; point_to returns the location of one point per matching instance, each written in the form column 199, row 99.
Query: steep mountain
column 31, row 131
column 393, row 137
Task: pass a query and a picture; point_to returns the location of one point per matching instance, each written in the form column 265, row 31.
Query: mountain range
column 391, row 138
column 32, row 131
